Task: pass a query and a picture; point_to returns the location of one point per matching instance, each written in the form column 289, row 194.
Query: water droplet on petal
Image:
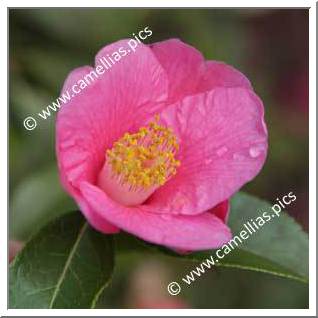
column 221, row 151
column 255, row 151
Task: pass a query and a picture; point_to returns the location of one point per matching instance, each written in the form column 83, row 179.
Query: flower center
column 139, row 163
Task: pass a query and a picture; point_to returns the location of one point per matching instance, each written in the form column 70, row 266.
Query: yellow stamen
column 147, row 158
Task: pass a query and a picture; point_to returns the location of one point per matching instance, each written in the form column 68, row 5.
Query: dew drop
column 221, row 151
column 255, row 151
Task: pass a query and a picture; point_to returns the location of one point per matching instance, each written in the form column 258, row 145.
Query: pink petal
column 95, row 220
column 199, row 232
column 222, row 210
column 219, row 74
column 118, row 101
column 183, row 64
column 189, row 74
column 223, row 145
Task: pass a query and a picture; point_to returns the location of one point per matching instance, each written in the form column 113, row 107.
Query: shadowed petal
column 219, row 74
column 183, row 64
column 222, row 210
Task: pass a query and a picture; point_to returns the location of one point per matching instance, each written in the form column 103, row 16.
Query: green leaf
column 66, row 265
column 279, row 247
column 281, row 240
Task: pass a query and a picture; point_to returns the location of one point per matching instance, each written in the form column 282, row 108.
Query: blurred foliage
column 269, row 46
column 218, row 288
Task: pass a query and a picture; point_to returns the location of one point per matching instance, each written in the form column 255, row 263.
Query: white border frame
column 4, row 5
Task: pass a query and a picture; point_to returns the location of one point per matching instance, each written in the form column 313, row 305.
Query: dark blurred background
column 269, row 46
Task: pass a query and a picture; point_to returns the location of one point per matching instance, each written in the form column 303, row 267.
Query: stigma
column 139, row 163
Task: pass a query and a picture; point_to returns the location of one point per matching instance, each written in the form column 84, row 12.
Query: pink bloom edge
column 219, row 122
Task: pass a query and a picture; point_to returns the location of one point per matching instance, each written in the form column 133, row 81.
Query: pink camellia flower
column 159, row 143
